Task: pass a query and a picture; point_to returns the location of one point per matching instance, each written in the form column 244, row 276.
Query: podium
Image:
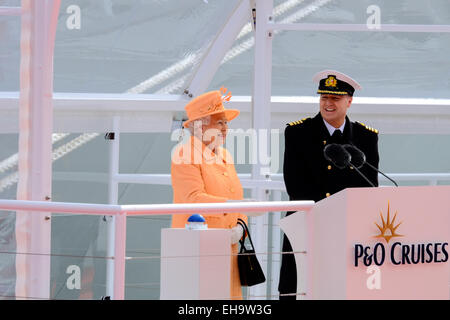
column 195, row 264
column 374, row 243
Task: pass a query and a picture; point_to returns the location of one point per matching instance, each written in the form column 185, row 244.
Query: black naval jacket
column 309, row 176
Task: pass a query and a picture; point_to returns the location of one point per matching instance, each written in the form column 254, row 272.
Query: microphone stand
column 362, row 175
column 374, row 168
column 381, row 173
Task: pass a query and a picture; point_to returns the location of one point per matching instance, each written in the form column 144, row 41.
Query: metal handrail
column 275, row 181
column 154, row 209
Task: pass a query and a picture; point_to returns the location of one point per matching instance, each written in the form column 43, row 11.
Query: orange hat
column 208, row 104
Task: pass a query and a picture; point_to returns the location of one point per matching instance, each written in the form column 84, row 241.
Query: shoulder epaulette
column 294, row 123
column 367, row 127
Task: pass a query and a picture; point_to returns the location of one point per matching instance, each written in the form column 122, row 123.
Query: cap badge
column 331, row 81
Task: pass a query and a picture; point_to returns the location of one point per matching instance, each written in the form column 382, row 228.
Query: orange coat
column 200, row 176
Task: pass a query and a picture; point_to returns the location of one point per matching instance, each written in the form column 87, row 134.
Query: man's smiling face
column 333, row 108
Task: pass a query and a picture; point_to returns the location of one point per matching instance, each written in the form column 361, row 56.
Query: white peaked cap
column 339, row 75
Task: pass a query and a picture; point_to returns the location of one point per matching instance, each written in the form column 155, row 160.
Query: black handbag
column 250, row 271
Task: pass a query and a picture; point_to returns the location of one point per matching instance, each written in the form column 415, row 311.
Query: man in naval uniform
column 308, row 175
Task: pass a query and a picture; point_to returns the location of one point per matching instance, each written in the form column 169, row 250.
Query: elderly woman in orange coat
column 203, row 171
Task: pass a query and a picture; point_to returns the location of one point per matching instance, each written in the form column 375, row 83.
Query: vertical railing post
column 119, row 255
column 262, row 77
column 113, row 189
column 275, row 247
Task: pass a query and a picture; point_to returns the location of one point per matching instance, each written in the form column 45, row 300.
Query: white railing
column 141, row 113
column 10, row 11
column 120, row 212
column 274, row 182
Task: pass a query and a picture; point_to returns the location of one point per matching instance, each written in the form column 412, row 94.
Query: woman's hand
column 236, row 234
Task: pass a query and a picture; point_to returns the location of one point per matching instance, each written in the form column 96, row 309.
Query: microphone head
column 336, row 154
column 358, row 157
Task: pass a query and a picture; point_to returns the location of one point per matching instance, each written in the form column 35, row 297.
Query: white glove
column 236, row 234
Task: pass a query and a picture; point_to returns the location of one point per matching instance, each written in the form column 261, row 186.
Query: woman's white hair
column 198, row 124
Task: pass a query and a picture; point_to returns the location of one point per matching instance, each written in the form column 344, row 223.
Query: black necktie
column 337, row 136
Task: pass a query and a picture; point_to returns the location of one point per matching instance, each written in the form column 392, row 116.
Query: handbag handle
column 246, row 232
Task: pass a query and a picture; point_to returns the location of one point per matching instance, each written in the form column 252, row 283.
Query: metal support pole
column 113, row 189
column 119, row 255
column 275, row 247
column 33, row 229
column 262, row 77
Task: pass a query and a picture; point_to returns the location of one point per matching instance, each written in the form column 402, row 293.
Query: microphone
column 337, row 155
column 360, row 156
column 341, row 158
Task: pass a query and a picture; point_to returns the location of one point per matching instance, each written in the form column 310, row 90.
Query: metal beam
column 154, row 113
column 333, row 27
column 10, row 11
column 218, row 48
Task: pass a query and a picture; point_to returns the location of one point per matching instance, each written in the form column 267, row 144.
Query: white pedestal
column 195, row 264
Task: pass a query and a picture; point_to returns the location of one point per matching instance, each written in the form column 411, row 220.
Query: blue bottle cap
column 196, row 218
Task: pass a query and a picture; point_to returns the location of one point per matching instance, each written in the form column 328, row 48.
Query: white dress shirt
column 331, row 129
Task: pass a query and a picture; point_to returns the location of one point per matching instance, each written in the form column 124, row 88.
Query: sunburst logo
column 388, row 229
